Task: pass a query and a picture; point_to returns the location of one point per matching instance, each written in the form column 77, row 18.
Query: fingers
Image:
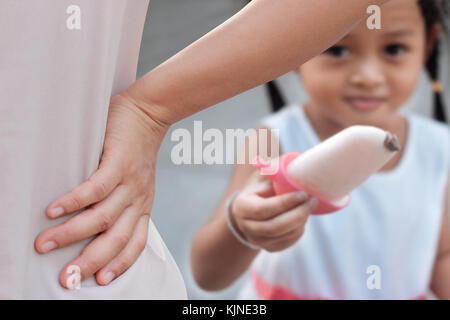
column 281, row 225
column 86, row 224
column 103, row 248
column 266, row 208
column 283, row 242
column 95, row 189
column 263, row 188
column 128, row 255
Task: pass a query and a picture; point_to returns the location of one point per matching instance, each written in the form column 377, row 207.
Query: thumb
column 264, row 188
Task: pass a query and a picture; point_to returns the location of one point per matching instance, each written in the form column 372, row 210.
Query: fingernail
column 313, row 202
column 302, row 195
column 109, row 276
column 49, row 245
column 56, row 212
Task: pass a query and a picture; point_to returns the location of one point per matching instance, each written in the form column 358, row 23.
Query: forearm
column 265, row 40
column 440, row 284
column 217, row 257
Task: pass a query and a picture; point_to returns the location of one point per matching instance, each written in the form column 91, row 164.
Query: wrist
column 232, row 218
column 151, row 111
column 131, row 131
column 232, row 225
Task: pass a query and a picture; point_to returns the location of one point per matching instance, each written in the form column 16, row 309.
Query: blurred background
column 186, row 195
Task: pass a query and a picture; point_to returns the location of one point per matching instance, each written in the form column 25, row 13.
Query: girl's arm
column 263, row 41
column 272, row 222
column 440, row 284
column 217, row 257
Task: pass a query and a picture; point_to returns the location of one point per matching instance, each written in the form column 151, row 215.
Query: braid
column 432, row 67
column 434, row 12
column 276, row 98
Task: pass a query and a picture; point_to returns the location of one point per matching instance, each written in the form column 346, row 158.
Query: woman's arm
column 440, row 284
column 263, row 41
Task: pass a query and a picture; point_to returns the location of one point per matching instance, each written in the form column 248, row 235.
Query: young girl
column 393, row 240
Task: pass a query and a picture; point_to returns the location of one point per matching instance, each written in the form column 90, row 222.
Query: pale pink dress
column 56, row 81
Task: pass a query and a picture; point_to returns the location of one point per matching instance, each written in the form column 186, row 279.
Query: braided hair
column 434, row 12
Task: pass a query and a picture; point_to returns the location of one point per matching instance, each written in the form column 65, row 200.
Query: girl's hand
column 117, row 198
column 271, row 222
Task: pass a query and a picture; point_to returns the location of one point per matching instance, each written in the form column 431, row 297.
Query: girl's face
column 369, row 74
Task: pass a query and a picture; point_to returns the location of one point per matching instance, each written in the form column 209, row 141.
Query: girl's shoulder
column 430, row 131
column 281, row 115
column 292, row 127
column 290, row 116
column 431, row 140
column 429, row 124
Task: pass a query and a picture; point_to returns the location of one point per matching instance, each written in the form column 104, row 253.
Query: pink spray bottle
column 283, row 184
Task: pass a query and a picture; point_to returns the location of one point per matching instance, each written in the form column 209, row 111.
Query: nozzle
column 259, row 163
column 391, row 142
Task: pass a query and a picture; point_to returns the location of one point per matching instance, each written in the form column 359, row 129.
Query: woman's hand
column 117, row 198
column 271, row 222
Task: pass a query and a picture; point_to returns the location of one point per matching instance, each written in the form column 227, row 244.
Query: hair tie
column 436, row 85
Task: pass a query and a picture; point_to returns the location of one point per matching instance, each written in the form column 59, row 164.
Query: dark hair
column 434, row 12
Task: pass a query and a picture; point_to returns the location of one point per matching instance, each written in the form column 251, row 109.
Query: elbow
column 204, row 274
column 203, row 283
column 208, row 284
column 206, row 279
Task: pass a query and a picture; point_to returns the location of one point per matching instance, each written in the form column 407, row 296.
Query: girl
column 392, row 241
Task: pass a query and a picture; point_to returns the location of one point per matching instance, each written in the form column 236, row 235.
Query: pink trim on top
column 282, row 184
column 267, row 291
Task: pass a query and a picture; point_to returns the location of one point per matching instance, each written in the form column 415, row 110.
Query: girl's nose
column 368, row 74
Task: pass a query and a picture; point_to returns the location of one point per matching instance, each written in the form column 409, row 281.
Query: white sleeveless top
column 60, row 64
column 383, row 245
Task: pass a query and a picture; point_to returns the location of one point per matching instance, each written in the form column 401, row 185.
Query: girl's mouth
column 364, row 103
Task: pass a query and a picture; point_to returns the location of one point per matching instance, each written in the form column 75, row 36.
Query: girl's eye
column 338, row 51
column 395, row 49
